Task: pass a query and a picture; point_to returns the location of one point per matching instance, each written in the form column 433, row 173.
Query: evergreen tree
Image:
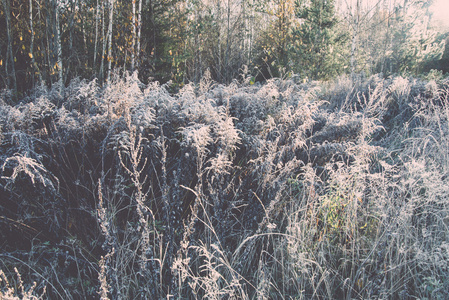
column 415, row 42
column 318, row 42
column 272, row 48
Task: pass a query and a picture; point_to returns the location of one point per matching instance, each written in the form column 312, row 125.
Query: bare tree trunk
column 355, row 36
column 247, row 11
column 72, row 18
column 139, row 30
column 111, row 19
column 71, row 56
column 59, row 47
column 33, row 61
column 228, row 41
column 217, row 58
column 197, row 64
column 32, row 41
column 133, row 47
column 9, row 63
column 104, row 43
column 153, row 23
column 83, row 28
column 97, row 13
column 49, row 30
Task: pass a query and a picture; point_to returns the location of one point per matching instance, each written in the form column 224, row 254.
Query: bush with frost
column 270, row 190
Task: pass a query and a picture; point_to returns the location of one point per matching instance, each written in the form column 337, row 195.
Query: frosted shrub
column 81, row 95
column 227, row 136
column 197, row 136
column 18, row 290
column 276, row 190
column 28, row 117
column 121, row 94
column 218, row 279
column 269, row 91
column 196, row 109
column 342, row 92
column 400, row 88
column 219, row 165
column 33, row 169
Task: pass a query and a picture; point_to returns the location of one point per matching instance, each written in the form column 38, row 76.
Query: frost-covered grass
column 281, row 190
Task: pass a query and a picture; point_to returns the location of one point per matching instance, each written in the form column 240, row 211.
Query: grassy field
column 281, row 190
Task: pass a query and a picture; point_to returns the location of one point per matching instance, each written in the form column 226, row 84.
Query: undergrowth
column 321, row 190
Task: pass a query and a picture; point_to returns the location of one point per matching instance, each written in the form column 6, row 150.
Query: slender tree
column 111, row 19
column 34, row 66
column 58, row 45
column 9, row 63
column 134, row 35
column 103, row 52
column 139, row 31
column 97, row 17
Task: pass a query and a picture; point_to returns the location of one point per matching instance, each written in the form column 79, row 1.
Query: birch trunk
column 49, row 40
column 111, row 15
column 32, row 41
column 133, row 47
column 9, row 63
column 33, row 61
column 139, row 30
column 228, row 43
column 153, row 24
column 97, row 12
column 71, row 59
column 219, row 54
column 104, row 42
column 59, row 48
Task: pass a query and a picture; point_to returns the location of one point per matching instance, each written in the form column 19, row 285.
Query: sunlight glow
column 440, row 10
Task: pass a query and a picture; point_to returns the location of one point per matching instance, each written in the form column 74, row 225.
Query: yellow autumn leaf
column 20, row 37
column 30, row 55
column 1, row 62
column 23, row 47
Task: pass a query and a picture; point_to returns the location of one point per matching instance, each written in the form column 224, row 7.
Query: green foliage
column 414, row 41
column 318, row 41
column 164, row 32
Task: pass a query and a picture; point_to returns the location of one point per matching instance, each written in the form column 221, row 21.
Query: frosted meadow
column 281, row 190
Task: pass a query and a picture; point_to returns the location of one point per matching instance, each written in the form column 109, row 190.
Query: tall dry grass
column 333, row 190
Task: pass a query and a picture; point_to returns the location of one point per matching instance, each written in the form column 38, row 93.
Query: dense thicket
column 54, row 41
column 273, row 191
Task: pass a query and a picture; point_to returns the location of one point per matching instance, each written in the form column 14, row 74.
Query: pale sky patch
column 440, row 10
